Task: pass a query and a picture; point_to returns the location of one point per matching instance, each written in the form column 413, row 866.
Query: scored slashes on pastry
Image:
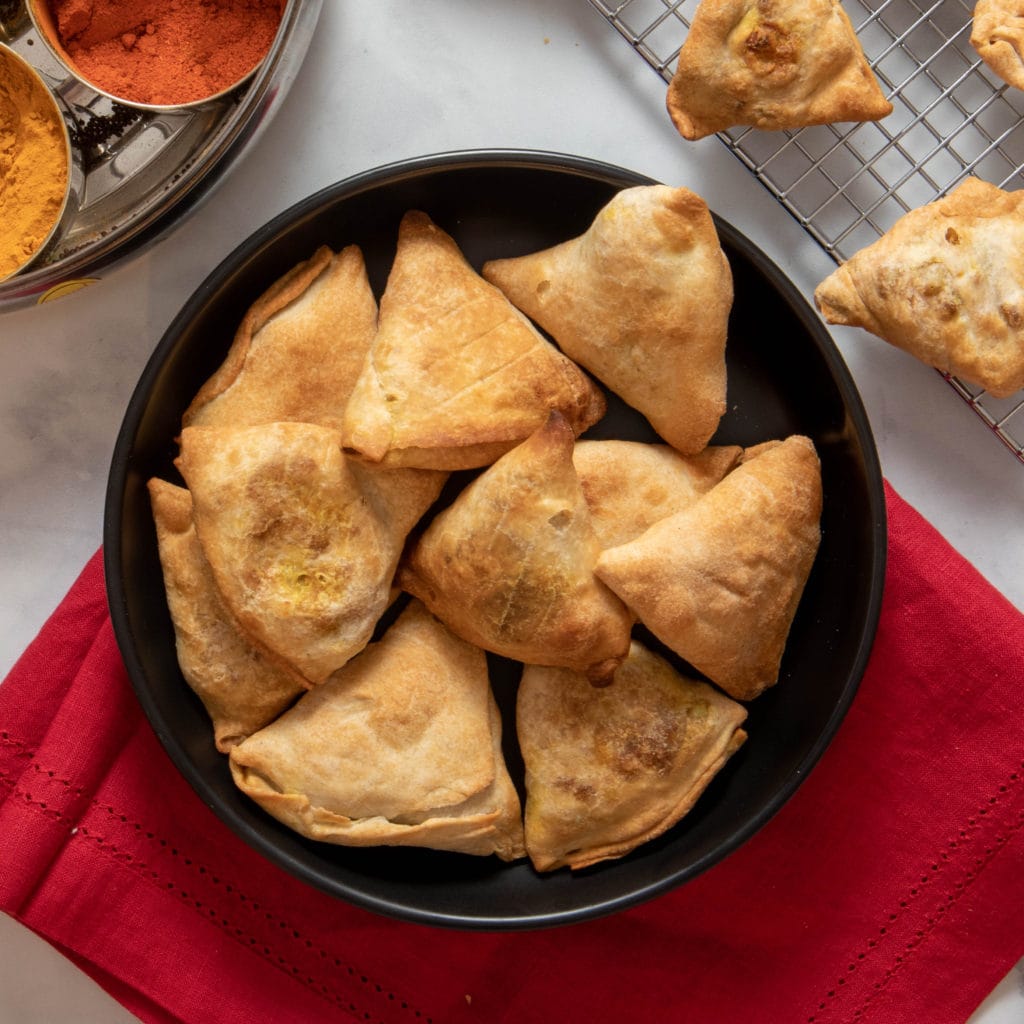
column 772, row 64
column 641, row 300
column 630, row 485
column 401, row 747
column 303, row 542
column 241, row 690
column 456, row 376
column 997, row 33
column 946, row 284
column 509, row 565
column 610, row 768
column 297, row 351
column 719, row 583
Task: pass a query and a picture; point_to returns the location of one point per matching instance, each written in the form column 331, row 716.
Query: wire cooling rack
column 847, row 184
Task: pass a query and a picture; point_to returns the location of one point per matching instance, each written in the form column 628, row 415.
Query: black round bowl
column 785, row 377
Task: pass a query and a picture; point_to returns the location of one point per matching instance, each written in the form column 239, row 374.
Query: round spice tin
column 142, row 169
column 169, row 56
column 40, row 175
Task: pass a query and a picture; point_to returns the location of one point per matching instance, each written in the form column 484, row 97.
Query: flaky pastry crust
column 611, row 768
column 997, row 34
column 642, row 301
column 946, row 284
column 771, row 64
column 401, row 747
column 456, row 376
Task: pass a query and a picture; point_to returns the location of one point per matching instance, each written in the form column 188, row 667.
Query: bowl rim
column 386, row 174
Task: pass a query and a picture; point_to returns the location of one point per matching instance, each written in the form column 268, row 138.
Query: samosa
column 401, row 747
column 298, row 350
column 719, row 583
column 241, row 690
column 771, row 64
column 303, row 542
column 609, row 769
column 642, row 300
column 509, row 565
column 455, row 376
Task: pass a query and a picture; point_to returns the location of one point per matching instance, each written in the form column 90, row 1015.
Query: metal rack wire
column 847, row 184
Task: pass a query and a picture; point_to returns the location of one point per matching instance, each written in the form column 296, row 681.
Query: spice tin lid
column 41, row 175
column 144, row 170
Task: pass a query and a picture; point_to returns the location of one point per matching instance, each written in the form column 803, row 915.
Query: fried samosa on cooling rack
column 946, row 284
column 771, row 64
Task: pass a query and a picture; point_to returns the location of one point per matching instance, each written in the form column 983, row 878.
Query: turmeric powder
column 33, row 163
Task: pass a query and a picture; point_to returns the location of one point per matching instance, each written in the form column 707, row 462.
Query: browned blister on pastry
column 509, row 565
column 642, row 301
column 241, row 690
column 630, row 485
column 401, row 747
column 303, row 543
column 946, row 284
column 719, row 583
column 610, row 768
column 456, row 376
column 771, row 64
column 997, row 33
column 298, row 350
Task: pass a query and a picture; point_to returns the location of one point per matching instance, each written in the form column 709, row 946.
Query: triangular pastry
column 630, row 485
column 509, row 565
column 641, row 300
column 719, row 583
column 303, row 543
column 997, row 33
column 241, row 690
column 610, row 768
column 298, row 350
column 455, row 376
column 946, row 284
column 401, row 747
column 772, row 64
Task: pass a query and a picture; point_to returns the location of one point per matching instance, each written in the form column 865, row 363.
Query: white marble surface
column 386, row 80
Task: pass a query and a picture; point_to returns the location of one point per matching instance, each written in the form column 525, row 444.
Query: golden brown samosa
column 509, row 565
column 401, row 747
column 610, row 768
column 946, row 284
column 641, row 299
column 772, row 64
column 241, row 690
column 630, row 485
column 719, row 583
column 303, row 542
column 455, row 376
column 997, row 34
column 298, row 350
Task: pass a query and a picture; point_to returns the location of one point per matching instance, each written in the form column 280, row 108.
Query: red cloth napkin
column 888, row 889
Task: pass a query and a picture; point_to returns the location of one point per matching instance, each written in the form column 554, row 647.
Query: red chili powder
column 165, row 52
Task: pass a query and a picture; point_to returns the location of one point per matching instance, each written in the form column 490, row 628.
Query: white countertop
column 383, row 81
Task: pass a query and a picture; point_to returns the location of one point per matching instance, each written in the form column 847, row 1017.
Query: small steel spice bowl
column 74, row 176
column 43, row 21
